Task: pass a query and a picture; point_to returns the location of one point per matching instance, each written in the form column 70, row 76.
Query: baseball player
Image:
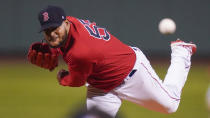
column 114, row 71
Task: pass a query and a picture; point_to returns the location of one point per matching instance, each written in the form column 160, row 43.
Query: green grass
column 27, row 91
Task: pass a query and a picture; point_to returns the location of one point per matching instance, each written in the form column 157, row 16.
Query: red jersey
column 95, row 56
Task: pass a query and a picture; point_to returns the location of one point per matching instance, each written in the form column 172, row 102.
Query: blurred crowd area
column 134, row 22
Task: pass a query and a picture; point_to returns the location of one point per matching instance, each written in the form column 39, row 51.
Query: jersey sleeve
column 78, row 73
column 55, row 51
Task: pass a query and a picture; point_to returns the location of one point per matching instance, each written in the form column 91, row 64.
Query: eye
column 49, row 30
column 53, row 28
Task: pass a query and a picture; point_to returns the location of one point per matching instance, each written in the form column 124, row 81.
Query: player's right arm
column 77, row 74
column 40, row 54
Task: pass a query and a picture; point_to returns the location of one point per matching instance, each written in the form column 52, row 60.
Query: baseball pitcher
column 113, row 70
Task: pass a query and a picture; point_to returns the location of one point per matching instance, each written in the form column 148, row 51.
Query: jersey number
column 95, row 30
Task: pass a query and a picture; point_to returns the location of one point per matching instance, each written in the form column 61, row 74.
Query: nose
column 53, row 34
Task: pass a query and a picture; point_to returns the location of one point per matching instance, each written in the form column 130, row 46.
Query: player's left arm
column 77, row 74
column 40, row 54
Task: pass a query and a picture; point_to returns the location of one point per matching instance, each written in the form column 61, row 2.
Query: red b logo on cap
column 45, row 16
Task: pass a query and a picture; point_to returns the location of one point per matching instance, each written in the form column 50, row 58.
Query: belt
column 132, row 72
column 128, row 77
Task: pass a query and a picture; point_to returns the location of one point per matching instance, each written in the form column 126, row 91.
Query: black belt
column 129, row 76
column 132, row 73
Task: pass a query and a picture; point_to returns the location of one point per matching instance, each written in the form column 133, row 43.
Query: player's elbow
column 67, row 82
column 76, row 83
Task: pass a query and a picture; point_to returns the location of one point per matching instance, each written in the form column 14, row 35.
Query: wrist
column 61, row 74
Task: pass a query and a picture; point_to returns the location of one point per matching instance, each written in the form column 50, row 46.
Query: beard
column 61, row 43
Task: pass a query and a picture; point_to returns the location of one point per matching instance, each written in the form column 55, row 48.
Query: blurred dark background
column 135, row 22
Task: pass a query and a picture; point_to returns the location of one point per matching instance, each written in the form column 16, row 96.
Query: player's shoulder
column 80, row 20
column 71, row 18
column 75, row 20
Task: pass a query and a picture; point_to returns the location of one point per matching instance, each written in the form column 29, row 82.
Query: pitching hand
column 62, row 73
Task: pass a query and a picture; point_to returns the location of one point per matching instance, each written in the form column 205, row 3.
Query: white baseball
column 167, row 26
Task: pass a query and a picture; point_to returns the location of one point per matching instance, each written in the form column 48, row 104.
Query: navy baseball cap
column 51, row 16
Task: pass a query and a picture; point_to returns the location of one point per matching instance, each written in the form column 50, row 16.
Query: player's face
column 56, row 36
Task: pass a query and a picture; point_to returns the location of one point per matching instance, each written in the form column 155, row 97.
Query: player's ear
column 67, row 22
